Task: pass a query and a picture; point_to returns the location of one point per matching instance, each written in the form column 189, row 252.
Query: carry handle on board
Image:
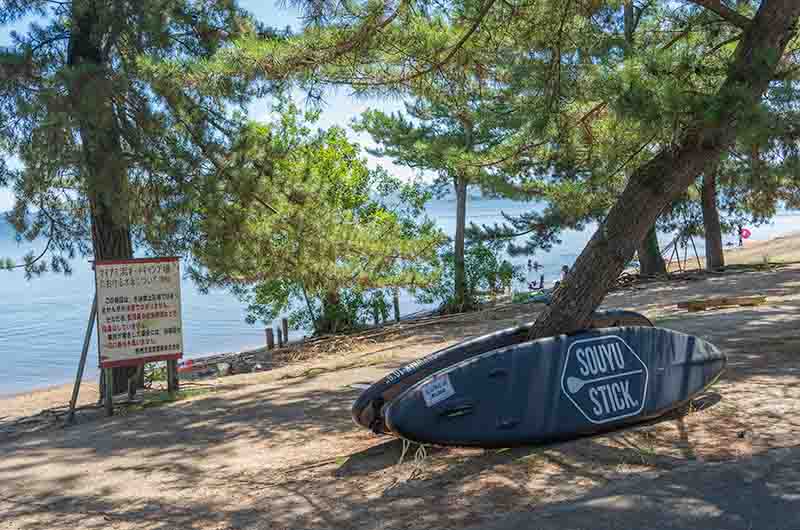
column 458, row 409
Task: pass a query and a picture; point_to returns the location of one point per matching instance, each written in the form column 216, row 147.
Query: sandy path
column 278, row 449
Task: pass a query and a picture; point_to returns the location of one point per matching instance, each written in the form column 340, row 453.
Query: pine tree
column 109, row 155
column 653, row 186
column 336, row 238
column 438, row 136
column 693, row 91
column 672, row 63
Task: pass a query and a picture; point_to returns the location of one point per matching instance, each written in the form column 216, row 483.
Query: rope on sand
column 406, row 445
column 419, row 455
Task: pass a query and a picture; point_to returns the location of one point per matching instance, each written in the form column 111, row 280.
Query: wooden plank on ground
column 725, row 301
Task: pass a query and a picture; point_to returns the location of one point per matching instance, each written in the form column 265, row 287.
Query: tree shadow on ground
column 742, row 496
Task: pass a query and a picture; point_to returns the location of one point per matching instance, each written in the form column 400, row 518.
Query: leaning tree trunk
column 715, row 257
column 461, row 220
column 658, row 182
column 91, row 95
column 651, row 262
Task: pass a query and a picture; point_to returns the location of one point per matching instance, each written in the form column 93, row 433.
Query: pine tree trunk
column 112, row 240
column 628, row 17
column 104, row 161
column 660, row 181
column 715, row 258
column 461, row 220
column 651, row 262
column 330, row 320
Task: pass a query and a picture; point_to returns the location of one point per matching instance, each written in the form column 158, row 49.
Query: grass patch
column 157, row 399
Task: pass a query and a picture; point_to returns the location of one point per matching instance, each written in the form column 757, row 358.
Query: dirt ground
column 278, row 449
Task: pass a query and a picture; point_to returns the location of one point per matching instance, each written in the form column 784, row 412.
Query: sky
column 339, row 109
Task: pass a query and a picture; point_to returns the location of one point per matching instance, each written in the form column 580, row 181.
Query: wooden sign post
column 138, row 316
column 73, row 402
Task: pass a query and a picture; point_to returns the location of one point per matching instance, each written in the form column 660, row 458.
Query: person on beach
column 564, row 272
column 528, row 276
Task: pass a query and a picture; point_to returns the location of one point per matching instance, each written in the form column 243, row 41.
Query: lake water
column 42, row 321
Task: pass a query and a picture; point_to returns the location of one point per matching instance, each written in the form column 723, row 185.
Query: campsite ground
column 278, row 449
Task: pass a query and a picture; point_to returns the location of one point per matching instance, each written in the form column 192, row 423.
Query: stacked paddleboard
column 501, row 389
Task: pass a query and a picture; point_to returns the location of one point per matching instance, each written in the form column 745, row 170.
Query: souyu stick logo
column 604, row 378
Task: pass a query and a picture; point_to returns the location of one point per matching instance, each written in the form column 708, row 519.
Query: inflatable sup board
column 557, row 388
column 367, row 410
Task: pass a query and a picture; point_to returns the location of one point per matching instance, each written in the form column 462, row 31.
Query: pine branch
column 37, row 258
column 463, row 40
column 634, row 155
column 419, row 73
column 676, row 38
column 719, row 46
column 518, row 151
column 30, row 262
column 211, row 158
column 725, row 12
column 46, row 42
column 533, row 145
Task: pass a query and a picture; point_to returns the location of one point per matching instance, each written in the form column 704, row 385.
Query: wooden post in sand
column 82, row 364
column 285, row 327
column 270, row 338
column 172, row 376
column 280, row 338
column 108, row 399
column 396, row 303
column 696, row 255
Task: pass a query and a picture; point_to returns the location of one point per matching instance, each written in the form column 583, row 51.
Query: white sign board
column 138, row 311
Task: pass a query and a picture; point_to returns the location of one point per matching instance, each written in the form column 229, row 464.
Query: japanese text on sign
column 138, row 310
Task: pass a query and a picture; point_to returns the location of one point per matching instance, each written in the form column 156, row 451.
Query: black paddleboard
column 367, row 410
column 556, row 388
